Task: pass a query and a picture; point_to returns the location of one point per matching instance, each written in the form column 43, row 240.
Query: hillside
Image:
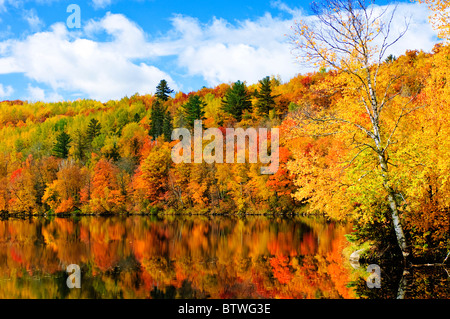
column 108, row 158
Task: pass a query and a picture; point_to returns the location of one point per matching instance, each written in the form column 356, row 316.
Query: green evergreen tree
column 80, row 145
column 61, row 147
column 237, row 100
column 163, row 91
column 167, row 126
column 93, row 130
column 390, row 59
column 265, row 102
column 157, row 117
column 194, row 110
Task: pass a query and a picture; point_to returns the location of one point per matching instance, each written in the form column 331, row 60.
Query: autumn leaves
column 358, row 158
column 363, row 140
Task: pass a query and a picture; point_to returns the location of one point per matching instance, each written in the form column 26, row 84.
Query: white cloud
column 284, row 7
column 420, row 33
column 82, row 62
column 100, row 4
column 252, row 49
column 220, row 52
column 100, row 70
column 10, row 3
column 129, row 38
column 38, row 94
column 5, row 91
column 31, row 17
column 8, row 65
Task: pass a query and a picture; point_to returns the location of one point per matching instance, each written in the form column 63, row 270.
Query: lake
column 138, row 257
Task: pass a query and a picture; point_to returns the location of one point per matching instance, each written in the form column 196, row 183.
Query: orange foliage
column 106, row 196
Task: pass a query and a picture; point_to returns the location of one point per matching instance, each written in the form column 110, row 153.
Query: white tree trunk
column 397, row 225
column 401, row 240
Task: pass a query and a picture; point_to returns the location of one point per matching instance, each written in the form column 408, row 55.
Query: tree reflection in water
column 411, row 283
column 188, row 257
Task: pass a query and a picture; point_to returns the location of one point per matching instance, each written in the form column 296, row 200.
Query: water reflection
column 147, row 257
column 412, row 283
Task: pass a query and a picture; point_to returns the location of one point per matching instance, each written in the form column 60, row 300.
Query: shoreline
column 175, row 214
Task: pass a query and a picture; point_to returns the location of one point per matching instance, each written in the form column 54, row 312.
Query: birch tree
column 352, row 38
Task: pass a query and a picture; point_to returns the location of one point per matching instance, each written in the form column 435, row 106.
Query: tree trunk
column 402, row 286
column 397, row 224
column 401, row 240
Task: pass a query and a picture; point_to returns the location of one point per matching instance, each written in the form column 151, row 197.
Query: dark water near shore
column 192, row 257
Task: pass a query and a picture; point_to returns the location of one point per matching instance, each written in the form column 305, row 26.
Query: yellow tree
column 425, row 148
column 22, row 190
column 151, row 181
column 63, row 194
column 353, row 37
column 440, row 17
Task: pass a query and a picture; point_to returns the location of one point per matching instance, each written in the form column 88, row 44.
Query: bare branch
column 354, row 158
column 335, row 119
column 445, row 260
column 386, row 91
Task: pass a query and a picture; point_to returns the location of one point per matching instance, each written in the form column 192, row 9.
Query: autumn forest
column 363, row 141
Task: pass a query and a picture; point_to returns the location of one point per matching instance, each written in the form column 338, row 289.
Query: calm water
column 187, row 257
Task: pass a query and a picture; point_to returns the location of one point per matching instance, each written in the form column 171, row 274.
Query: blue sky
column 127, row 47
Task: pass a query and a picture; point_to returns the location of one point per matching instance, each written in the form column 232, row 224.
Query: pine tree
column 237, row 100
column 194, row 110
column 93, row 130
column 167, row 126
column 163, row 91
column 157, row 119
column 80, row 145
column 61, row 147
column 266, row 102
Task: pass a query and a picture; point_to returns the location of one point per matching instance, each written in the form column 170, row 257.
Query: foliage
column 193, row 110
column 237, row 100
column 163, row 91
column 265, row 99
column 366, row 112
column 93, row 130
column 61, row 148
column 158, row 117
column 440, row 16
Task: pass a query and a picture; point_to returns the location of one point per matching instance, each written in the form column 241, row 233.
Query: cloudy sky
column 127, row 47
